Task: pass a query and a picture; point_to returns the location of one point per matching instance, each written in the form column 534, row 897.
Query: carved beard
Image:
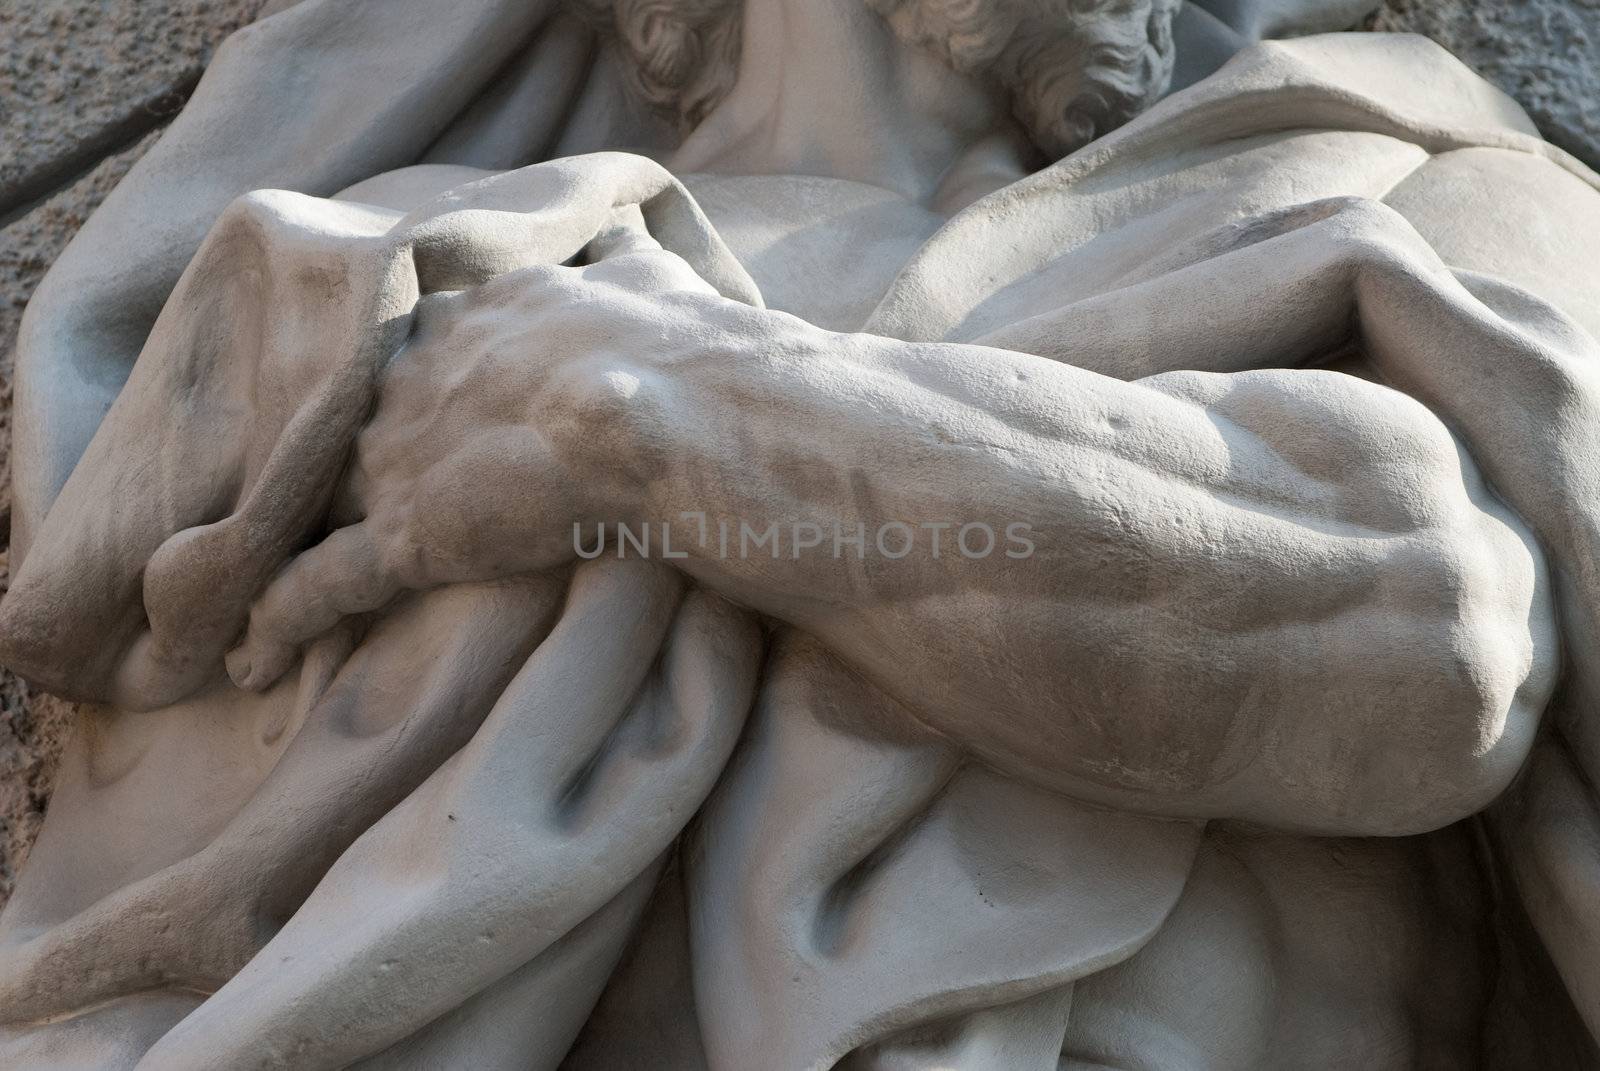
column 1075, row 69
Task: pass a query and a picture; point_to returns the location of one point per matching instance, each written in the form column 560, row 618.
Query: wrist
column 603, row 421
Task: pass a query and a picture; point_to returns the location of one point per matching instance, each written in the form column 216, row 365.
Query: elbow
column 1433, row 708
column 1510, row 666
column 1486, row 666
column 1474, row 738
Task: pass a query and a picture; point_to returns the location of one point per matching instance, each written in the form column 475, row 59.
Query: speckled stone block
column 81, row 79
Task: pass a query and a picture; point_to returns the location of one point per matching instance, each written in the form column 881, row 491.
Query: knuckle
column 594, row 392
column 530, row 284
column 411, row 548
column 644, row 269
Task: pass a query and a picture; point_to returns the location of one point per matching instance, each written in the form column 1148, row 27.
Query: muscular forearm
column 1279, row 595
column 1233, row 580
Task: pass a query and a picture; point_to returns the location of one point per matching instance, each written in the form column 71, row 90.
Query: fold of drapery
column 262, row 368
column 856, row 891
column 530, row 852
column 1396, row 86
column 225, row 444
column 313, row 99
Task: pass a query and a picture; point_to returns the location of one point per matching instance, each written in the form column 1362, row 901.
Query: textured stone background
column 86, row 85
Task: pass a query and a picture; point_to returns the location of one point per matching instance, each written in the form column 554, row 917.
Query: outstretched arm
column 1285, row 595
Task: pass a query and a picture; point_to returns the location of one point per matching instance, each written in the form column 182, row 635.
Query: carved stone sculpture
column 804, row 534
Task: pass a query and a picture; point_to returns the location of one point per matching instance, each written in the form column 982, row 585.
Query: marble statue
column 717, row 535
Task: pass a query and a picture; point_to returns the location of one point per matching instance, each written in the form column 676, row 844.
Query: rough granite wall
column 86, row 86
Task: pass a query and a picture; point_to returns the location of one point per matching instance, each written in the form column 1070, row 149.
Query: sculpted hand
column 508, row 416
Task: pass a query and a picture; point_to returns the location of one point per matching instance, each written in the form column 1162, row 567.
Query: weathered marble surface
column 66, row 111
column 407, row 851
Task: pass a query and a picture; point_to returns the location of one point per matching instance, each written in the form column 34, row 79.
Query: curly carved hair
column 1075, row 69
column 684, row 53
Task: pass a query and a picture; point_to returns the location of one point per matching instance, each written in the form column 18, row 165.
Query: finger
column 648, row 271
column 347, row 573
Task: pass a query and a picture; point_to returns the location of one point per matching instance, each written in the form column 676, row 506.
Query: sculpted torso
column 1288, row 616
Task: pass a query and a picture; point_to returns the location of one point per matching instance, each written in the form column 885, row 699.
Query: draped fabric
column 435, row 843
